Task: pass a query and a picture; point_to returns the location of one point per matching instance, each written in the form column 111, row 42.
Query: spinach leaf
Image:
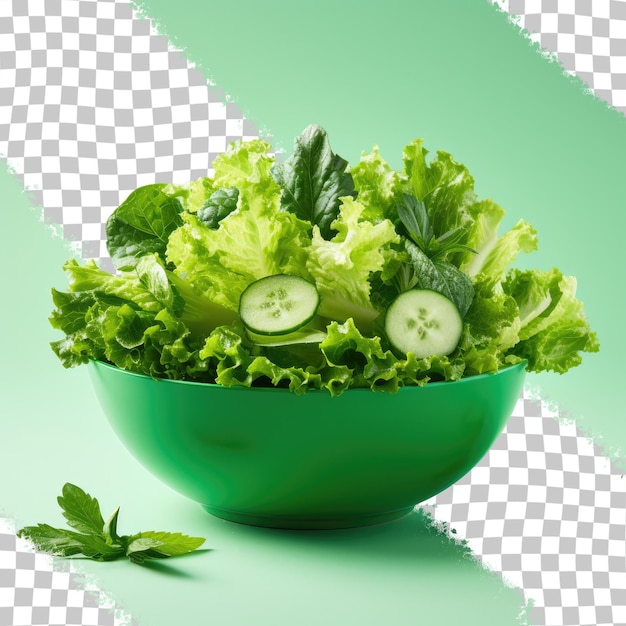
column 220, row 204
column 313, row 180
column 142, row 225
column 441, row 276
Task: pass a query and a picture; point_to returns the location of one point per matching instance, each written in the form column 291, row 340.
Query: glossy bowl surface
column 270, row 458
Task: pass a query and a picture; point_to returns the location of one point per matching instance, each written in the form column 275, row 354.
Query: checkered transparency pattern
column 95, row 103
column 588, row 37
column 547, row 510
column 37, row 589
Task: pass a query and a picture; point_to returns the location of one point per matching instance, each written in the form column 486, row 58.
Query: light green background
column 455, row 73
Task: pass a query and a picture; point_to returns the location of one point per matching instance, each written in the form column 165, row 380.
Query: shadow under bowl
column 267, row 457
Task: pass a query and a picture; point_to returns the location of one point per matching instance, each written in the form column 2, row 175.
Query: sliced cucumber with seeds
column 423, row 322
column 279, row 304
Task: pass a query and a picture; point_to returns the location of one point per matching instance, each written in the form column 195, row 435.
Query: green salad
column 315, row 274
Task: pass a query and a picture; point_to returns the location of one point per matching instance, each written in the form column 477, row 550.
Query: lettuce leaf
column 376, row 185
column 553, row 327
column 445, row 186
column 253, row 241
column 247, row 166
column 193, row 195
column 341, row 266
column 373, row 365
column 493, row 261
column 250, row 243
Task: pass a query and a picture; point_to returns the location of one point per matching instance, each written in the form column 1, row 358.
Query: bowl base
column 309, row 523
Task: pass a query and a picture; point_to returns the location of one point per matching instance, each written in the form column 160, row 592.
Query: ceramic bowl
column 267, row 457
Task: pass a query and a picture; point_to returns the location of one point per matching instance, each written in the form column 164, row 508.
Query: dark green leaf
column 141, row 225
column 220, row 204
column 61, row 542
column 442, row 277
column 412, row 214
column 313, row 180
column 81, row 511
column 55, row 540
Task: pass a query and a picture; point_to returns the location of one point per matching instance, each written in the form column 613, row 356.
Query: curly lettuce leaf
column 249, row 244
column 554, row 330
column 445, row 186
column 481, row 234
column 252, row 241
column 493, row 262
column 341, row 266
column 237, row 364
column 376, row 185
column 192, row 195
column 127, row 286
column 246, row 166
column 372, row 365
column 491, row 328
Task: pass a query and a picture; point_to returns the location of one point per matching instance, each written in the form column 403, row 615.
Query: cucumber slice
column 300, row 336
column 279, row 304
column 423, row 322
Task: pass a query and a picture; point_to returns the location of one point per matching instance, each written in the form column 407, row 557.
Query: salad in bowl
column 254, row 313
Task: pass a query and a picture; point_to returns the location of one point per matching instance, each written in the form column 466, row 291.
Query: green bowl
column 267, row 457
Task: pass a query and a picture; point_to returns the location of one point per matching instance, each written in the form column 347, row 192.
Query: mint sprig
column 99, row 540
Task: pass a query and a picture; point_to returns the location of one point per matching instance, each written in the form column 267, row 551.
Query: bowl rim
column 194, row 383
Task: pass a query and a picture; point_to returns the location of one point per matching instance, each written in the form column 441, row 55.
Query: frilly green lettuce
column 341, row 266
column 361, row 234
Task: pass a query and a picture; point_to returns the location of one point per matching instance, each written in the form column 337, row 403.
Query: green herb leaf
column 81, row 511
column 415, row 219
column 168, row 544
column 313, row 180
column 55, row 540
column 61, row 542
column 110, row 528
column 442, row 277
column 99, row 541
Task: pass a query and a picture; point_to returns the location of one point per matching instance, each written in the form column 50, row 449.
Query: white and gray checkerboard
column 94, row 102
column 547, row 510
column 37, row 589
column 588, row 38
